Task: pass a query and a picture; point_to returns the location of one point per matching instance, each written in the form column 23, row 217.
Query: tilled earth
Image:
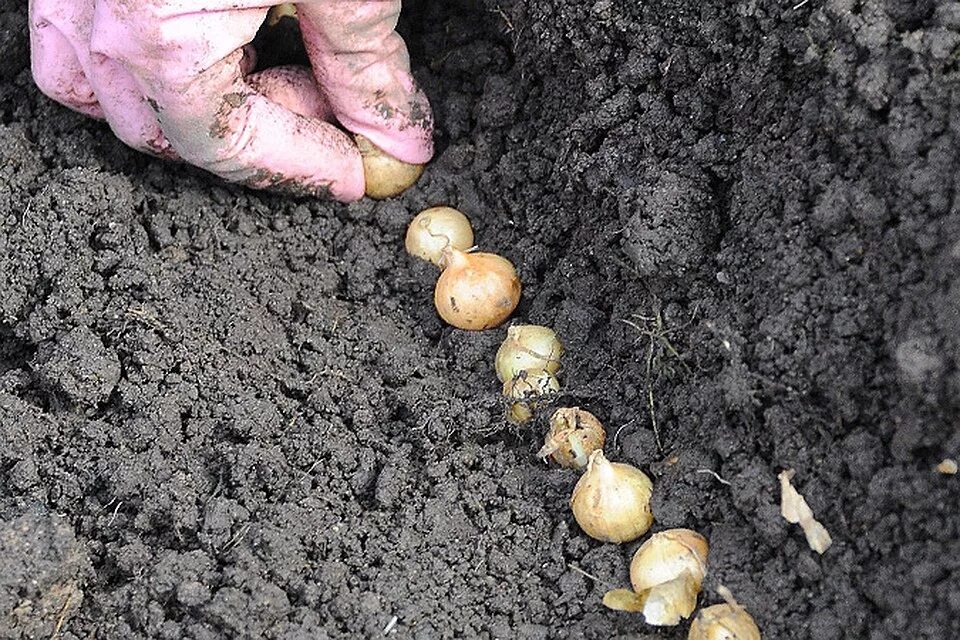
column 226, row 413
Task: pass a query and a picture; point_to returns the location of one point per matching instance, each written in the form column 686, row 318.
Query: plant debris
column 796, row 511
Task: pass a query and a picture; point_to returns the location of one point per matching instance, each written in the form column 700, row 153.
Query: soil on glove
column 225, row 413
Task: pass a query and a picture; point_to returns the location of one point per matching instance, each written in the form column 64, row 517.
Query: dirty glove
column 171, row 78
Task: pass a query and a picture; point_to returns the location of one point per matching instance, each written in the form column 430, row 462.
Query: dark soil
column 226, row 413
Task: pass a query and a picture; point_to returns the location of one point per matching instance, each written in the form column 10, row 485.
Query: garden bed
column 225, row 413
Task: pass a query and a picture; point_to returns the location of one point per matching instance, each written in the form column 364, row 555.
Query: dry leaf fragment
column 796, row 511
column 947, row 466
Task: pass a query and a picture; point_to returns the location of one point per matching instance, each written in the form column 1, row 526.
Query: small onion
column 434, row 229
column 519, row 413
column 724, row 622
column 669, row 569
column 574, row 434
column 476, row 290
column 611, row 501
column 528, row 346
column 281, row 11
column 385, row 175
column 526, row 390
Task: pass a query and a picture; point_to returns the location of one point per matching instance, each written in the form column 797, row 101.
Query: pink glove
column 171, row 79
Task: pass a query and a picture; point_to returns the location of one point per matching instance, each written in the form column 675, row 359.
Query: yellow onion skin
column 526, row 347
column 434, row 229
column 384, row 175
column 669, row 569
column 724, row 622
column 574, row 435
column 611, row 501
column 476, row 291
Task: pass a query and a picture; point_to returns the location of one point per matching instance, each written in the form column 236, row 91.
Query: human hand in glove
column 172, row 78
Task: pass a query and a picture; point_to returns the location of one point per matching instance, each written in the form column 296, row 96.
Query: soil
column 228, row 413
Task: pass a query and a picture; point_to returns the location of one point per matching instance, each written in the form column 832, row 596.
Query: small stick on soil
column 114, row 516
column 658, row 344
column 63, row 616
column 146, row 318
column 651, row 406
column 617, row 434
column 333, row 372
column 235, row 540
column 510, row 29
column 577, row 569
column 715, row 475
column 653, row 410
column 390, row 625
column 506, row 19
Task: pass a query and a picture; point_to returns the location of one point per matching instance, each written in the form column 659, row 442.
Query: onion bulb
column 668, row 570
column 476, row 290
column 519, row 413
column 724, row 622
column 281, row 11
column 525, row 390
column 385, row 175
column 434, row 229
column 611, row 501
column 528, row 346
column 574, row 434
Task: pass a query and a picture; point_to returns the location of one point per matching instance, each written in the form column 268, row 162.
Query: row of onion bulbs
column 611, row 500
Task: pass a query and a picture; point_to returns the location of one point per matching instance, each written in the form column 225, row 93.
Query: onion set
column 574, row 435
column 385, row 175
column 724, row 622
column 611, row 501
column 434, row 229
column 475, row 291
column 526, row 347
column 668, row 570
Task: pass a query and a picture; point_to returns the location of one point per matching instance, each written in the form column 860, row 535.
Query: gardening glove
column 172, row 78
